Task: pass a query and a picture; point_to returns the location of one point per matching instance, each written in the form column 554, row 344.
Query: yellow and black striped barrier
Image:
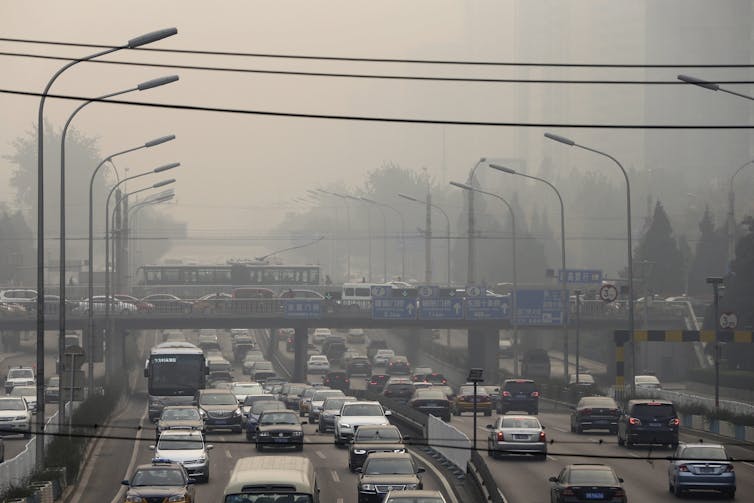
column 621, row 337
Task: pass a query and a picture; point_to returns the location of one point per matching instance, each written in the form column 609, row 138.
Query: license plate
column 654, row 425
column 595, row 496
column 601, row 421
column 706, row 470
column 521, row 437
column 281, row 440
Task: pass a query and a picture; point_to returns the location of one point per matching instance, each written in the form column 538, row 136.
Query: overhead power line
column 480, row 80
column 362, row 59
column 393, row 120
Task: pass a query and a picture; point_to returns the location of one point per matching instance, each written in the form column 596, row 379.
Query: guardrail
column 16, row 470
column 691, row 401
column 450, row 442
column 483, row 479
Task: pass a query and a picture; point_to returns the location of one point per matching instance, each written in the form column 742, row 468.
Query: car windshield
column 647, row 380
column 320, row 396
column 604, row 402
column 593, row 477
column 520, row 387
column 430, row 395
column 260, row 407
column 218, row 399
column 23, row 391
column 653, row 410
column 262, row 366
column 180, row 443
column 54, row 381
column 335, row 403
column 157, row 477
column 362, row 409
column 247, row 389
column 382, row 434
column 180, row 415
column 520, row 422
column 266, row 497
column 278, row 418
column 708, row 452
column 469, row 390
column 253, row 399
column 414, row 499
column 12, row 404
column 20, row 374
column 389, row 466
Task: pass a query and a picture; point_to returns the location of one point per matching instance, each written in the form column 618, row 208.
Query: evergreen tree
column 709, row 258
column 660, row 247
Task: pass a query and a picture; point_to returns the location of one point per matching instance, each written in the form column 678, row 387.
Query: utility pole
column 716, row 283
column 428, row 240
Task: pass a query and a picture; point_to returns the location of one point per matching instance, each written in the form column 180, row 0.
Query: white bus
column 175, row 371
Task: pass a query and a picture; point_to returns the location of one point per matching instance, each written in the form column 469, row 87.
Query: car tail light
column 445, row 381
column 372, row 382
column 674, row 422
column 683, row 468
column 568, row 492
column 388, row 393
column 729, row 468
column 500, row 436
column 542, row 436
column 535, row 394
column 615, row 412
column 346, row 380
column 585, row 411
column 506, row 393
column 619, row 493
column 633, row 420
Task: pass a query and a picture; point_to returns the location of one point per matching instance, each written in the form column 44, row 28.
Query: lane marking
column 228, row 454
column 339, row 500
column 561, row 430
column 321, row 454
column 552, row 458
column 335, row 476
column 307, row 439
column 748, row 464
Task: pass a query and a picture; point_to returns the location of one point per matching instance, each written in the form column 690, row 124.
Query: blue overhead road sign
column 488, row 308
column 539, row 307
column 582, row 276
column 394, row 308
column 441, row 309
column 303, row 308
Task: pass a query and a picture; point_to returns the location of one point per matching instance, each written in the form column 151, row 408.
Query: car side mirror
column 151, row 447
column 553, row 479
column 544, row 427
column 209, row 447
column 421, row 470
column 358, row 469
column 125, row 482
column 388, row 412
column 620, row 479
column 490, row 427
column 304, row 422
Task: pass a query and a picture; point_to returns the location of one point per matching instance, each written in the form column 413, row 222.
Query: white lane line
column 228, row 454
column 335, row 476
column 748, row 464
column 307, row 439
column 339, row 500
column 634, row 455
column 552, row 458
column 321, row 454
column 561, row 430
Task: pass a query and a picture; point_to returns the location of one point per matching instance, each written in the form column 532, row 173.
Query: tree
column 740, row 283
column 709, row 258
column 16, row 249
column 659, row 247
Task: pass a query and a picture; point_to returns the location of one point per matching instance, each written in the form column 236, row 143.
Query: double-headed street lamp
column 90, row 314
column 712, row 86
column 429, row 204
column 563, row 292
column 344, row 198
column 150, row 84
column 403, row 233
column 571, row 143
column 131, row 44
column 514, row 316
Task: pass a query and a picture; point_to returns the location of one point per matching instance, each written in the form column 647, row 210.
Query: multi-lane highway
column 115, row 458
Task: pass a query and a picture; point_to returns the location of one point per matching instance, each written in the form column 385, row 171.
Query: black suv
column 373, row 438
column 359, row 366
column 159, row 481
column 519, row 395
column 649, row 422
column 220, row 410
column 387, row 471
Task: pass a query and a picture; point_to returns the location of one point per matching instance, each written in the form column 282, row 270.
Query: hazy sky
column 240, row 172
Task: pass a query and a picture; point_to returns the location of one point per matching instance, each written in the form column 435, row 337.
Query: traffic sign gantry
column 539, row 307
column 488, row 308
column 394, row 308
column 581, row 276
column 433, row 307
column 303, row 308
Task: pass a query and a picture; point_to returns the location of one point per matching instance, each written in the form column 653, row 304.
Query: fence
column 449, row 441
column 690, row 401
column 15, row 471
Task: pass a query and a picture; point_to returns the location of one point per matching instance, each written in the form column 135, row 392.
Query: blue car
column 252, row 419
column 701, row 467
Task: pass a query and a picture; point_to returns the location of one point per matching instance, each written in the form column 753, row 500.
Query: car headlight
column 345, row 425
column 264, row 433
column 135, row 499
column 19, row 418
column 178, row 498
column 201, row 460
column 298, row 433
column 359, row 451
column 237, row 412
column 399, row 450
column 411, row 486
column 368, row 487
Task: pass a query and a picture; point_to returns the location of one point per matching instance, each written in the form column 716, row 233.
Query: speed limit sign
column 608, row 293
column 728, row 320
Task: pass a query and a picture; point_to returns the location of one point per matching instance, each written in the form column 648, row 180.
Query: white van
column 359, row 295
column 272, row 478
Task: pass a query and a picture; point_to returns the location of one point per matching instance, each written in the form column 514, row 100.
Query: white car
column 28, row 393
column 15, row 416
column 648, row 382
column 99, row 305
column 318, row 364
column 23, row 296
column 320, row 334
column 355, row 414
column 243, row 389
column 382, row 357
column 19, row 376
column 186, row 448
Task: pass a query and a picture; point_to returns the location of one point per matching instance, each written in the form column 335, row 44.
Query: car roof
column 639, row 401
column 389, row 455
column 173, row 433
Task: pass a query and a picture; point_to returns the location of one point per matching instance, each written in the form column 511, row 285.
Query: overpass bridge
column 405, row 313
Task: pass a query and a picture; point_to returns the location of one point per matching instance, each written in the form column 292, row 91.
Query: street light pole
column 578, row 335
column 133, row 211
column 563, row 284
column 716, row 283
column 731, row 213
column 403, row 234
column 62, row 256
column 571, row 143
column 348, row 229
column 471, row 237
column 428, row 203
column 712, row 86
column 514, row 317
column 133, row 43
column 90, row 314
column 384, row 237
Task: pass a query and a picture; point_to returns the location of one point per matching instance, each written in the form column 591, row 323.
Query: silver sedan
column 517, row 435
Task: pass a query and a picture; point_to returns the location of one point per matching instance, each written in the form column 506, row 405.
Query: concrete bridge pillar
column 300, row 341
column 483, row 352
